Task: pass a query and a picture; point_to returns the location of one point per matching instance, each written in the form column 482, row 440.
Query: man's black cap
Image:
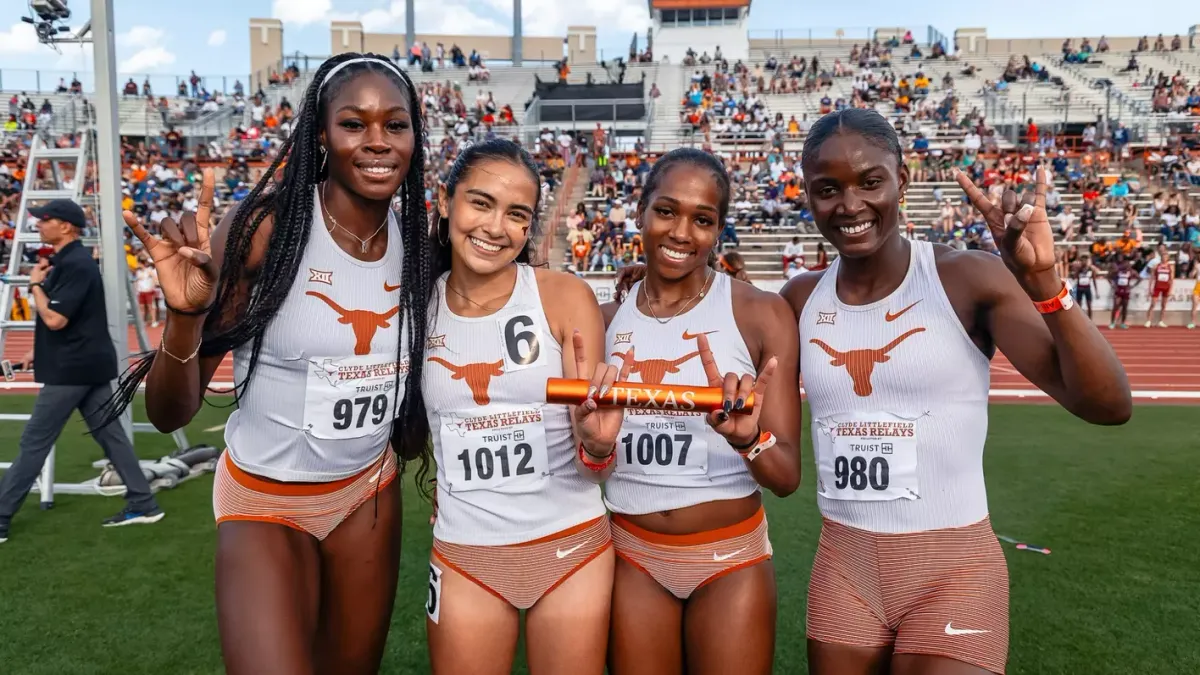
column 62, row 209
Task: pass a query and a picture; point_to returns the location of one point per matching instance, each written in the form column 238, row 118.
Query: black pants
column 53, row 408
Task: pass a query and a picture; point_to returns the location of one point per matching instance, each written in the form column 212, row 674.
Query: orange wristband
column 1059, row 302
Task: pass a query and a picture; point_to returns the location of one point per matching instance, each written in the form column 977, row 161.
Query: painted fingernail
column 722, row 417
column 591, row 391
column 604, row 390
column 741, row 402
column 728, row 405
column 590, row 404
column 1025, row 212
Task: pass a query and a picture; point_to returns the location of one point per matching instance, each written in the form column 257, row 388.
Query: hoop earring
column 439, row 231
column 324, row 159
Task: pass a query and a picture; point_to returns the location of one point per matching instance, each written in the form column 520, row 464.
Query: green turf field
column 1120, row 508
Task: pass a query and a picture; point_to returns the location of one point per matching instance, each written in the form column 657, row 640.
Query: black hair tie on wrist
column 191, row 312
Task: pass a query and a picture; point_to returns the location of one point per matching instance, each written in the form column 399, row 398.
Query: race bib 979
column 498, row 448
column 351, row 397
column 867, row 457
column 658, row 444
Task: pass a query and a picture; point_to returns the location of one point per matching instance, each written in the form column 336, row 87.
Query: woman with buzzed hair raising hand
column 896, row 339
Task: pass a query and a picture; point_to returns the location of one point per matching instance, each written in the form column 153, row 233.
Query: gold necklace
column 481, row 306
column 650, row 304
column 364, row 242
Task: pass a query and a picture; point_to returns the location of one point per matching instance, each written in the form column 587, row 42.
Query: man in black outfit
column 75, row 361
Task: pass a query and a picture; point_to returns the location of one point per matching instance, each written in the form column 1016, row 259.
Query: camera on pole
column 48, row 18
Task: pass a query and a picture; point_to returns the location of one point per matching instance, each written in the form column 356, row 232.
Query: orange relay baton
column 674, row 397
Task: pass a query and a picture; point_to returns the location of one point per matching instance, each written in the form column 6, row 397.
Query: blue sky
column 168, row 39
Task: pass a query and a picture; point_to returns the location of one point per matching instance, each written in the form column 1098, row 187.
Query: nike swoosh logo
column 693, row 336
column 388, row 288
column 727, row 556
column 562, row 554
column 375, row 477
column 889, row 317
column 962, row 631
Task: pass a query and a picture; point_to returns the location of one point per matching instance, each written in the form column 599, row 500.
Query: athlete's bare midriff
column 700, row 517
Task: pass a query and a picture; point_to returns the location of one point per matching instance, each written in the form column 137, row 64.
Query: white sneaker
column 1147, row 324
column 1162, row 324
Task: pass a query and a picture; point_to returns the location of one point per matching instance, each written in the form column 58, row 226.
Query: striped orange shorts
column 941, row 592
column 315, row 508
column 681, row 563
column 520, row 574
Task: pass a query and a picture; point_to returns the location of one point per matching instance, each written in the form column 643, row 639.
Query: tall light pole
column 517, row 39
column 108, row 161
column 410, row 24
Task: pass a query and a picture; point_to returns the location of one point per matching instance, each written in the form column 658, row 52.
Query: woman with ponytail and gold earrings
column 520, row 523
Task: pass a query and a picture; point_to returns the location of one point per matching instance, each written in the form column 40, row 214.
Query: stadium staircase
column 572, row 194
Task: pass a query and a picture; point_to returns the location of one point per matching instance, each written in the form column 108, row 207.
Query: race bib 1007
column 501, row 449
column 867, row 457
column 352, row 396
column 658, row 444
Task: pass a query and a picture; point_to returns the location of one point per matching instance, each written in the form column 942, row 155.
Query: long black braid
column 239, row 317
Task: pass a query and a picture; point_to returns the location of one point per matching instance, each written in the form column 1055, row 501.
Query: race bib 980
column 867, row 457
column 501, row 449
column 351, row 397
column 657, row 444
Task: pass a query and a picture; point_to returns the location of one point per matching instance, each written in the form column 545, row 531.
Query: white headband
column 362, row 59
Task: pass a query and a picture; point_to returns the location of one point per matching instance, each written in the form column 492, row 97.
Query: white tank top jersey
column 672, row 460
column 323, row 397
column 505, row 458
column 899, row 395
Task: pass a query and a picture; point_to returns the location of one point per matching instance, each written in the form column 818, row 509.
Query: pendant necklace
column 364, row 242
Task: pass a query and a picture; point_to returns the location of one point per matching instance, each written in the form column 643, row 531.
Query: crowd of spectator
column 723, row 101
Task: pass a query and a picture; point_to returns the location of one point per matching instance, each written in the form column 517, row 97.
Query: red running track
column 1163, row 364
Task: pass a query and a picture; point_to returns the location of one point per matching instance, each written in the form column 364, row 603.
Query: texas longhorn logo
column 860, row 363
column 478, row 376
column 364, row 322
column 652, row 371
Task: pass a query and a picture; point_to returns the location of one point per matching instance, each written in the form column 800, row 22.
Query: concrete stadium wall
column 348, row 36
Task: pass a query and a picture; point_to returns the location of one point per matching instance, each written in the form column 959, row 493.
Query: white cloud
column 301, row 12
column 19, row 39
column 456, row 17
column 150, row 58
column 149, row 52
column 216, row 38
column 551, row 17
column 20, row 42
column 543, row 18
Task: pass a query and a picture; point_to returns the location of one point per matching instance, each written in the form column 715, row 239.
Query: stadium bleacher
column 975, row 104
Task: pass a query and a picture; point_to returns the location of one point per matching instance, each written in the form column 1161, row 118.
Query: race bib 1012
column 352, row 396
column 501, row 449
column 658, row 444
column 867, row 457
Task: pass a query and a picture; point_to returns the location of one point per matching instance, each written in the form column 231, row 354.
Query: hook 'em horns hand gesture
column 1022, row 231
column 187, row 273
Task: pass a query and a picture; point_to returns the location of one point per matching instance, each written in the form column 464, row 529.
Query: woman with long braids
column 321, row 294
column 694, row 585
column 520, row 524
